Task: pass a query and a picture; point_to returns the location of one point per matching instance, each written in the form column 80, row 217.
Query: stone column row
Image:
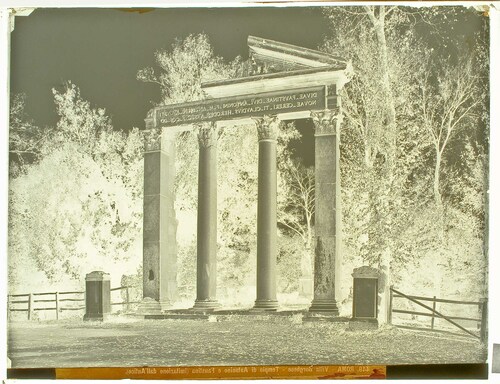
column 159, row 220
column 267, row 129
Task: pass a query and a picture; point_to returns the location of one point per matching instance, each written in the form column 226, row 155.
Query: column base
column 322, row 305
column 265, row 305
column 206, row 305
column 149, row 306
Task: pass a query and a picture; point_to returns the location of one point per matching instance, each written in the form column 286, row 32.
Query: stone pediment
column 275, row 66
column 269, row 56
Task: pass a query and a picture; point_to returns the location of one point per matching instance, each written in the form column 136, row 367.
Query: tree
column 449, row 99
column 376, row 125
column 81, row 204
column 25, row 138
column 388, row 163
column 297, row 212
column 183, row 68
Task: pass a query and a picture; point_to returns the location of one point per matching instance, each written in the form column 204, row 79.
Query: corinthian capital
column 152, row 140
column 267, row 127
column 325, row 122
column 150, row 120
column 207, row 134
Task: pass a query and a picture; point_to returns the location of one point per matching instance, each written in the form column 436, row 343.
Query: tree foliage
column 79, row 207
column 414, row 153
column 411, row 106
column 25, row 137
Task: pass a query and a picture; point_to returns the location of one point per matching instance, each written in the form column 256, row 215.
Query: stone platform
column 284, row 315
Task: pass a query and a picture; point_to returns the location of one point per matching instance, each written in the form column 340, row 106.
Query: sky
column 101, row 50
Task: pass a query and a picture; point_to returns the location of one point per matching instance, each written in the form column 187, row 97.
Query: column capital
column 207, row 134
column 152, row 140
column 150, row 119
column 157, row 139
column 267, row 127
column 326, row 122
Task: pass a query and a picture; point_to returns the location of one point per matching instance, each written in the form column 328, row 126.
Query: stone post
column 206, row 271
column 365, row 298
column 327, row 211
column 159, row 222
column 97, row 296
column 267, row 129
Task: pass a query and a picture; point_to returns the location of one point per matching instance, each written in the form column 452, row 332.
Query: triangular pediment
column 269, row 56
column 276, row 67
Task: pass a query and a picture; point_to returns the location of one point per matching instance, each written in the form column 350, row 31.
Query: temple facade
column 285, row 82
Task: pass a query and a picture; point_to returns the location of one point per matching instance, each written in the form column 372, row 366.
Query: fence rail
column 481, row 321
column 29, row 301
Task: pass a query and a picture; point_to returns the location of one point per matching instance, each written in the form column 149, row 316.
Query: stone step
column 247, row 315
column 177, row 316
column 325, row 318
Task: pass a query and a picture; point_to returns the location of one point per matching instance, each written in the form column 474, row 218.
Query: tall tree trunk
column 439, row 270
column 389, row 131
column 437, row 172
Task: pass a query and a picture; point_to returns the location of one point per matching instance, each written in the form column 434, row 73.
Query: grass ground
column 130, row 342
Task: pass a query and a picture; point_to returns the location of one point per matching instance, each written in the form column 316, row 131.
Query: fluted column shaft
column 267, row 129
column 206, row 270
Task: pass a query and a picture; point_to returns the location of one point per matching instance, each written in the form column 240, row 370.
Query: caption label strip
column 227, row 108
column 228, row 372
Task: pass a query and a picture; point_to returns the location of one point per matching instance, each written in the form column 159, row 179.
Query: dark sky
column 100, row 50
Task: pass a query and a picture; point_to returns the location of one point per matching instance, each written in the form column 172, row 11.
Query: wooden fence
column 57, row 301
column 481, row 320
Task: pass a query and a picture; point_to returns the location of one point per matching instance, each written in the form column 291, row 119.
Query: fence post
column 30, row 306
column 57, row 305
column 389, row 315
column 484, row 319
column 433, row 309
column 127, row 298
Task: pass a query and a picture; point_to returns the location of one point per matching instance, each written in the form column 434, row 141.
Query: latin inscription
column 232, row 107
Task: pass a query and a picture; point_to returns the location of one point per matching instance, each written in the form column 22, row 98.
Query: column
column 206, row 271
column 267, row 129
column 159, row 222
column 327, row 211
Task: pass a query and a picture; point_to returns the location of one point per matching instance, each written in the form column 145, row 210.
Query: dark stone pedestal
column 97, row 296
column 365, row 298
